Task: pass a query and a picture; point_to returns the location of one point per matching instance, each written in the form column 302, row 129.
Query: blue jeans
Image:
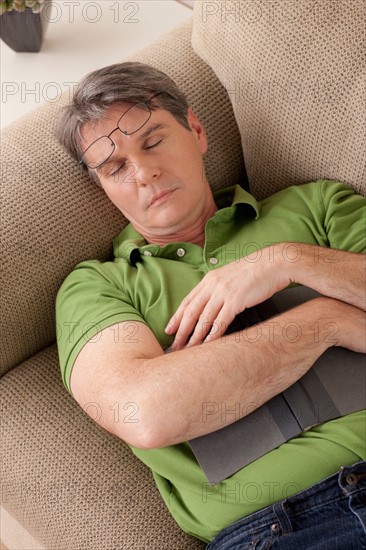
column 330, row 515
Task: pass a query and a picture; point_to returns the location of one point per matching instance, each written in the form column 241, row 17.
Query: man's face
column 155, row 176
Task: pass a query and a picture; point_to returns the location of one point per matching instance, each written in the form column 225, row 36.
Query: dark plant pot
column 22, row 31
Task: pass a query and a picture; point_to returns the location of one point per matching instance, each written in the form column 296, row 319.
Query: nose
column 146, row 172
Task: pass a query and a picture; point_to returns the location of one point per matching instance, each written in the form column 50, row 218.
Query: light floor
column 80, row 37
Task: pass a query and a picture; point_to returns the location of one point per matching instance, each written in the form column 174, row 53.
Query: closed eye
column 153, row 144
column 115, row 169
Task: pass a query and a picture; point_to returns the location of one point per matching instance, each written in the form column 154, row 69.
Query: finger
column 176, row 319
column 192, row 314
column 221, row 324
column 206, row 322
column 185, row 328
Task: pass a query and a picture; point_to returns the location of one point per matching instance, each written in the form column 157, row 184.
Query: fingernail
column 168, row 328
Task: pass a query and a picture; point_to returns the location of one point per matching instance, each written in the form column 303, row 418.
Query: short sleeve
column 90, row 300
column 344, row 217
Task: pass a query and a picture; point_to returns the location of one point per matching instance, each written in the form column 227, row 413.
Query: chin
column 169, row 221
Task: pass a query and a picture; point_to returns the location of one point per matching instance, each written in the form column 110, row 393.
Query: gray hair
column 129, row 82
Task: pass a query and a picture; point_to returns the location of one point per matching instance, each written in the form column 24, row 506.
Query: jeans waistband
column 348, row 480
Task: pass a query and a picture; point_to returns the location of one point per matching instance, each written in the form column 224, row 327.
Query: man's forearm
column 210, row 307
column 248, row 368
column 335, row 273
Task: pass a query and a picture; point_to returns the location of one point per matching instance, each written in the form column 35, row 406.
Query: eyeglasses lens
column 98, row 152
column 134, row 118
column 130, row 122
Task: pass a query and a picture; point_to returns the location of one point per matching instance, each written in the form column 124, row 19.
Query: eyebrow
column 151, row 129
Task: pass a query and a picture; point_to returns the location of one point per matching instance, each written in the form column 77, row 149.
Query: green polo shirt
column 146, row 283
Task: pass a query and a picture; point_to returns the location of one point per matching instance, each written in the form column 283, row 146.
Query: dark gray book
column 333, row 387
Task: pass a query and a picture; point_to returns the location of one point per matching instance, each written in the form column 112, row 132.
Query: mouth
column 160, row 198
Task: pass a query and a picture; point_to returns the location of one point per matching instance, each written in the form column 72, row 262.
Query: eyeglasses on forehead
column 130, row 122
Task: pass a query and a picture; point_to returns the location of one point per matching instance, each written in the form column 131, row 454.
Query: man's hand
column 207, row 311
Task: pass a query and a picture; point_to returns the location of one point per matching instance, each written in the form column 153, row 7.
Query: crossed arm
column 169, row 391
column 210, row 307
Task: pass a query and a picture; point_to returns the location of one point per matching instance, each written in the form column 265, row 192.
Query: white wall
column 81, row 36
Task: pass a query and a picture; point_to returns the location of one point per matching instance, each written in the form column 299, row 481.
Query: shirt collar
column 235, row 196
column 129, row 244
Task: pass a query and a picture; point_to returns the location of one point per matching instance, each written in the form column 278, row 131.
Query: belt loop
column 280, row 510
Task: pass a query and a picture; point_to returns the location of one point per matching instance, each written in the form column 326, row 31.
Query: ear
column 198, row 130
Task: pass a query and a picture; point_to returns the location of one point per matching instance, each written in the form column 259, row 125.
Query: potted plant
column 21, row 24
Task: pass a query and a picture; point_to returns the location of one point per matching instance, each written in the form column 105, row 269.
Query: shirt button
column 214, row 261
column 147, row 253
column 181, row 252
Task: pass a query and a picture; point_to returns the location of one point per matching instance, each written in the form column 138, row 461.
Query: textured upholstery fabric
column 295, row 73
column 72, row 485
column 53, row 216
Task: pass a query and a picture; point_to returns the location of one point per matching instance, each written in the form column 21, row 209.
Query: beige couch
column 294, row 78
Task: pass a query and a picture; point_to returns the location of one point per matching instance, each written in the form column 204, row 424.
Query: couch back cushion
column 53, row 216
column 295, row 73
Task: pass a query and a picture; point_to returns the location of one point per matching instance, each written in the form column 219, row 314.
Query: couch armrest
column 53, row 216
